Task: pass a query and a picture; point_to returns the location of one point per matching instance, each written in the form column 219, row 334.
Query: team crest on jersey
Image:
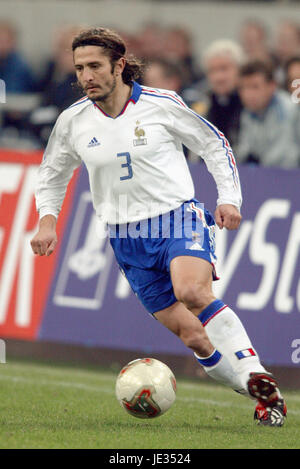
column 140, row 134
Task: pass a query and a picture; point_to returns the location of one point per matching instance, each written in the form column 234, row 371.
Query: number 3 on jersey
column 126, row 165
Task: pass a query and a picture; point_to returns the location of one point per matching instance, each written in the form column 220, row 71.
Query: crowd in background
column 248, row 88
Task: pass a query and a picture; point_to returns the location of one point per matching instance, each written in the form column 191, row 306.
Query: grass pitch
column 43, row 406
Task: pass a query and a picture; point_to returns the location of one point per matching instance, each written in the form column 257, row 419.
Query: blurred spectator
column 150, row 40
column 58, row 85
column 287, row 41
column 173, row 44
column 287, row 45
column 292, row 73
column 20, row 86
column 222, row 61
column 13, row 68
column 292, row 82
column 266, row 135
column 163, row 73
column 254, row 40
column 132, row 41
column 178, row 46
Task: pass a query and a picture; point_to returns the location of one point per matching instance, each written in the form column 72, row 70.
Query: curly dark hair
column 114, row 47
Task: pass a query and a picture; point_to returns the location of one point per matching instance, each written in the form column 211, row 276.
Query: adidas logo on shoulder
column 93, row 143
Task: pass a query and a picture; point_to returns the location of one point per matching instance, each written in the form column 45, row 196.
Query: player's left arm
column 204, row 139
column 228, row 216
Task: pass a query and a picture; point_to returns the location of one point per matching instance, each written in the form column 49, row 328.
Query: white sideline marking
column 111, row 376
column 99, row 389
column 109, row 390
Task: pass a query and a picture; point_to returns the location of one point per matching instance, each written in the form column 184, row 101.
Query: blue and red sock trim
column 211, row 310
column 212, row 360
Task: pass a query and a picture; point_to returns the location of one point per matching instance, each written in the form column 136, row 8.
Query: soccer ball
column 146, row 388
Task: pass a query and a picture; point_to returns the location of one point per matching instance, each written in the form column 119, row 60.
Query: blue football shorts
column 144, row 250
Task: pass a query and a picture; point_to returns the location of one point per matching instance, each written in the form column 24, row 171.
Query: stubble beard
column 102, row 98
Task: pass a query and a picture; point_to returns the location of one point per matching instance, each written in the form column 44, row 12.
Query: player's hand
column 227, row 216
column 44, row 242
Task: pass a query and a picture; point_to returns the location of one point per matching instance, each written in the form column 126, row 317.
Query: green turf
column 43, row 406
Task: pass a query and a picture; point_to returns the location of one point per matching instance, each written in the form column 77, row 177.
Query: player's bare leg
column 182, row 322
column 192, row 283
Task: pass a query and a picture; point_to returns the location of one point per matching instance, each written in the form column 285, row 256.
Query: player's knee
column 194, row 295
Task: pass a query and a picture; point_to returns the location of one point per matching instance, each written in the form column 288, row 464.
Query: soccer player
column 130, row 139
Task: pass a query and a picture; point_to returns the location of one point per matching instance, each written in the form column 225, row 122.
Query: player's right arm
column 45, row 240
column 54, row 174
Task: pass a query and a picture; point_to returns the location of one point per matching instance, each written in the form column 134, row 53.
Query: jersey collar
column 136, row 92
column 135, row 95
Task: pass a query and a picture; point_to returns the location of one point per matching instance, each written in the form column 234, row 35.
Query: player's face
column 95, row 73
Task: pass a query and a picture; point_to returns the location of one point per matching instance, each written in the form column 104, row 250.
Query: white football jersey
column 136, row 165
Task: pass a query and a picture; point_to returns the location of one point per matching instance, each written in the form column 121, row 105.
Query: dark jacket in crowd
column 58, row 91
column 224, row 112
column 16, row 74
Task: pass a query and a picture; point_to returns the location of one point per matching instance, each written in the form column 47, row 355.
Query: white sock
column 227, row 333
column 218, row 367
